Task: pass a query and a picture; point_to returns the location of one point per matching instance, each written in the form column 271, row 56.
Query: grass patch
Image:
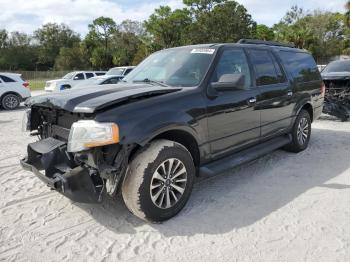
column 37, row 84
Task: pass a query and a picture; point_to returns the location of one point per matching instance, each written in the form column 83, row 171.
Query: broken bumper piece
column 50, row 162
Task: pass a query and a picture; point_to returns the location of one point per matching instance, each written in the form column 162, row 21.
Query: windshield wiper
column 149, row 81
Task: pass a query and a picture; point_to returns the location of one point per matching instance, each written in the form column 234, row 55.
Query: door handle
column 290, row 93
column 252, row 100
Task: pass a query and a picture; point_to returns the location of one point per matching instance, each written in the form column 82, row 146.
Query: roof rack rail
column 261, row 42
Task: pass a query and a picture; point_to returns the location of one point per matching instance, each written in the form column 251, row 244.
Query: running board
column 244, row 156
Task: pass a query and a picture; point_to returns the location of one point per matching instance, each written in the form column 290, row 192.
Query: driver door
column 233, row 120
column 77, row 79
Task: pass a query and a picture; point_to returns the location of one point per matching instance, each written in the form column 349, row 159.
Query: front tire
column 159, row 181
column 10, row 101
column 301, row 133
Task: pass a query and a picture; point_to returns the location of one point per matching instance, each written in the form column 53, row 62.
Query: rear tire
column 301, row 133
column 10, row 101
column 159, row 181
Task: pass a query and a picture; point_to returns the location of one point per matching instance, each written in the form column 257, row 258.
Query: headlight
column 86, row 134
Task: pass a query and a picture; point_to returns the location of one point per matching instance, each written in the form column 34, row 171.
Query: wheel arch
column 9, row 93
column 180, row 135
column 309, row 108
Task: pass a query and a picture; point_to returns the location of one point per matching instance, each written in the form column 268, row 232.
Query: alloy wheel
column 303, row 131
column 168, row 183
column 10, row 101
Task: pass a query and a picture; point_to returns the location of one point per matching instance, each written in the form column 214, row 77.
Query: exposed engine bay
column 337, row 97
column 81, row 176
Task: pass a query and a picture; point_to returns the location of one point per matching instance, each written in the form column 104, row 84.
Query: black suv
column 182, row 112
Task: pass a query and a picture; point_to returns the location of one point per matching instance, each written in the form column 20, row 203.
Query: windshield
column 90, row 82
column 183, row 67
column 68, row 76
column 115, row 71
column 337, row 66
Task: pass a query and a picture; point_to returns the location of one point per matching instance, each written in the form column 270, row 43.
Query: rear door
column 275, row 101
column 89, row 75
column 233, row 121
column 9, row 83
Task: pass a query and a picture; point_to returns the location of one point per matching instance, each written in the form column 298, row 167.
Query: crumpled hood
column 335, row 75
column 89, row 100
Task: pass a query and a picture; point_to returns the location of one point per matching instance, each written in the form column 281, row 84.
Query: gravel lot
column 282, row 207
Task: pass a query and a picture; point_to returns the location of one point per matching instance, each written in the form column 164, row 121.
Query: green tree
column 100, row 35
column 18, row 52
column 72, row 58
column 51, row 38
column 126, row 45
column 264, row 32
column 322, row 33
column 3, row 38
column 219, row 21
column 129, row 26
column 347, row 14
column 168, row 27
column 202, row 6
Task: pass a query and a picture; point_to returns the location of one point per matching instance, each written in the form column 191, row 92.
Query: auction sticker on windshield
column 208, row 51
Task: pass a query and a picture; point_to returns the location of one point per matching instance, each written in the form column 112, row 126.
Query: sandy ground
column 282, row 207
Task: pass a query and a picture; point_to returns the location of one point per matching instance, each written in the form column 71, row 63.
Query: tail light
column 26, row 84
column 323, row 89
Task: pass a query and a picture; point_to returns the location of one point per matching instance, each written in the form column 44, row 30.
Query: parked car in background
column 321, row 67
column 336, row 77
column 121, row 70
column 99, row 80
column 70, row 80
column 13, row 90
column 181, row 112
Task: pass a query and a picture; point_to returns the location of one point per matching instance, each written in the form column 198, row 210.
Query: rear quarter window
column 267, row 70
column 7, row 79
column 300, row 65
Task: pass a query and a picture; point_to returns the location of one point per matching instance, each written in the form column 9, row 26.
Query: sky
column 28, row 15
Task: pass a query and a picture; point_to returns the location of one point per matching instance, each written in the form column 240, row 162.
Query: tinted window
column 7, row 79
column 113, row 80
column 127, row 71
column 89, row 75
column 301, row 65
column 100, row 73
column 232, row 61
column 79, row 76
column 337, row 66
column 267, row 70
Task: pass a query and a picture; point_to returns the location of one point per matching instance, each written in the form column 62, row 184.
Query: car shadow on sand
column 244, row 195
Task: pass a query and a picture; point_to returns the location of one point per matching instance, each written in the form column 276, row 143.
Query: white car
column 321, row 67
column 99, row 80
column 120, row 71
column 13, row 90
column 70, row 80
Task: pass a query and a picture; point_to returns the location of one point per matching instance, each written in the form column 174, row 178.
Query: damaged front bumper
column 49, row 160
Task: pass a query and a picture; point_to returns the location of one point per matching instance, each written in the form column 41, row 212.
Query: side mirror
column 76, row 78
column 229, row 82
